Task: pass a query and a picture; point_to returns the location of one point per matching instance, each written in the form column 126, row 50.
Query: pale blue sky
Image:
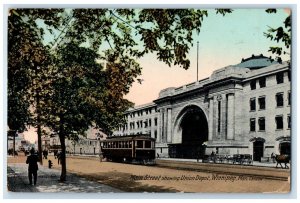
column 223, row 41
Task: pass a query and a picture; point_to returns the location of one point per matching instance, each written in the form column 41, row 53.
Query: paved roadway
column 93, row 176
column 261, row 170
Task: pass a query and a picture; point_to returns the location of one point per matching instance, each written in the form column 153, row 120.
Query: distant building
column 243, row 108
column 20, row 143
column 88, row 144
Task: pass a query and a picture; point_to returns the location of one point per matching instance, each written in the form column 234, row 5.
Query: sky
column 223, row 41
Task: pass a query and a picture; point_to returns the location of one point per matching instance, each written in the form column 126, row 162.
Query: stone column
column 160, row 126
column 211, row 119
column 230, row 117
column 169, row 125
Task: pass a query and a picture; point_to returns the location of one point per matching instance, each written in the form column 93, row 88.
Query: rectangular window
column 279, row 99
column 289, row 121
column 262, row 82
column 253, row 84
column 155, row 134
column 252, row 104
column 252, row 124
column 289, row 98
column 279, row 122
column 279, row 78
column 289, row 75
column 150, row 122
column 261, row 124
column 139, row 144
column 147, row 144
column 262, row 103
column 155, row 121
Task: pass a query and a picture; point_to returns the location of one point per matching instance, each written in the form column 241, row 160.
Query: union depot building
column 239, row 109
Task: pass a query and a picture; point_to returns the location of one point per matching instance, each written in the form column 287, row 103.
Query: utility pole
column 197, row 58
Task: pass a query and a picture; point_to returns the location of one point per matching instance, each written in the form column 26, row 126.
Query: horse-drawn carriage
column 283, row 159
column 234, row 159
column 242, row 159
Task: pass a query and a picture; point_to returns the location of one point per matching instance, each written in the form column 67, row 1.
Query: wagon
column 242, row 159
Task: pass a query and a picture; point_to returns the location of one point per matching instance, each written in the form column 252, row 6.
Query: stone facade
column 239, row 109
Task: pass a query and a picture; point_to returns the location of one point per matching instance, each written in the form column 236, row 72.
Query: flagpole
column 197, row 58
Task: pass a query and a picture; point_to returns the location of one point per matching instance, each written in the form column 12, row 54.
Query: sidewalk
column 48, row 181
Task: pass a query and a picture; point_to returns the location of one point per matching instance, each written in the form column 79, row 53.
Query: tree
column 281, row 34
column 67, row 89
column 26, row 57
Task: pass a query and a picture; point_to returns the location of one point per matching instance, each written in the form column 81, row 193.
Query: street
column 137, row 178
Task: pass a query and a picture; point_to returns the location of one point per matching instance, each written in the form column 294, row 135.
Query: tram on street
column 137, row 149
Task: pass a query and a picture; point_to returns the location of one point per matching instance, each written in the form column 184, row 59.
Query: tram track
column 228, row 169
column 221, row 168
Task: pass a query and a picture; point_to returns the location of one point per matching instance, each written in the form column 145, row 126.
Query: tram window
column 130, row 144
column 147, row 144
column 139, row 144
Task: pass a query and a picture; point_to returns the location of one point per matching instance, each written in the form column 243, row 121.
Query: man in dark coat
column 32, row 160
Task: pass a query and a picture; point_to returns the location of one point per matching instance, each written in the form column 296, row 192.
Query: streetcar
column 136, row 149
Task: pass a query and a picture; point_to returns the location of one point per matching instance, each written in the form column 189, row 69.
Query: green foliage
column 48, row 80
column 281, row 34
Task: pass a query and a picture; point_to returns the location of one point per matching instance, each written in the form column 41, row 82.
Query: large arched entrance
column 193, row 127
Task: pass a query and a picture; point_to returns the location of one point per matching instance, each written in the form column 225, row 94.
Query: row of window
column 279, row 97
column 141, row 124
column 141, row 112
column 262, row 123
column 262, row 80
column 126, row 144
column 139, row 133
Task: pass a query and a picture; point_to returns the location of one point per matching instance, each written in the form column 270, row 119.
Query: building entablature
column 266, row 71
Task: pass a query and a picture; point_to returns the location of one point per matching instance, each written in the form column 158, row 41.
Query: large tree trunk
column 39, row 129
column 63, row 174
column 14, row 142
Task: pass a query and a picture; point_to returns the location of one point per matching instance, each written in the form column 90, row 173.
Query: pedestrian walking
column 32, row 160
column 58, row 155
column 45, row 154
column 273, row 157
